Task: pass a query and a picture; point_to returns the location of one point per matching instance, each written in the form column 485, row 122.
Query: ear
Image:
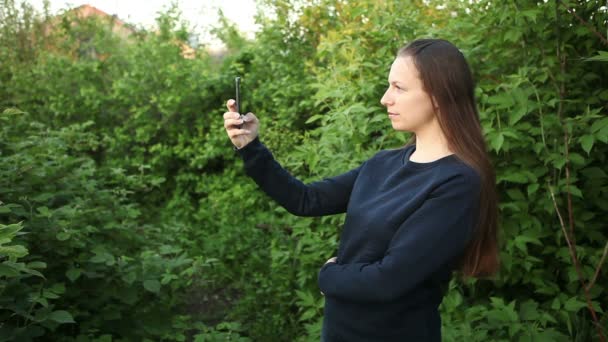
column 435, row 103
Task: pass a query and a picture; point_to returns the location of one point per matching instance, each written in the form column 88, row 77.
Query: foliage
column 125, row 214
column 31, row 304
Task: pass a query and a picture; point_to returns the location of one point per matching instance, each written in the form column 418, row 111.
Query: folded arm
column 432, row 236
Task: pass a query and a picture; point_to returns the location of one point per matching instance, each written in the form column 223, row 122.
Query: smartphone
column 237, row 83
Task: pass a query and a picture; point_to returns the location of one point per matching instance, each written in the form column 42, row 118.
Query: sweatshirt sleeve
column 326, row 197
column 433, row 235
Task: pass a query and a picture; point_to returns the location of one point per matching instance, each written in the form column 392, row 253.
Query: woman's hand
column 334, row 260
column 240, row 136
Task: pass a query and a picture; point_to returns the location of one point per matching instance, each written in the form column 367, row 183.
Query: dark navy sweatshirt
column 406, row 225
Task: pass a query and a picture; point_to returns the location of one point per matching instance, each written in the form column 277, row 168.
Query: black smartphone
column 237, row 83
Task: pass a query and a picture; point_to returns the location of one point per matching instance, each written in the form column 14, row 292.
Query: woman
column 413, row 215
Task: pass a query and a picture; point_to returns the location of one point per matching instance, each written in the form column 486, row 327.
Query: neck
column 431, row 144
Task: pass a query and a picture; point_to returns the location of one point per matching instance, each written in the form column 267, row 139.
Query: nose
column 385, row 100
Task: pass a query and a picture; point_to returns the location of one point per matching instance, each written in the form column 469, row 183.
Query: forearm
column 319, row 198
column 425, row 243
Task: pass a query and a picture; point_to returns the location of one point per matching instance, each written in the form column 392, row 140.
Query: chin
column 400, row 128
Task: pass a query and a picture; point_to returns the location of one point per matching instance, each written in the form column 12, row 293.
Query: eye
column 394, row 84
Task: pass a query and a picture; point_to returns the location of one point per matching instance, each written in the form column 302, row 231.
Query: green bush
column 142, row 224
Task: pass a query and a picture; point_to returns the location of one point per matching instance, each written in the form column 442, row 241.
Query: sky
column 201, row 14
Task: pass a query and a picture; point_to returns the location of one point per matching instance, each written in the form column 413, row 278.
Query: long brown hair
column 446, row 77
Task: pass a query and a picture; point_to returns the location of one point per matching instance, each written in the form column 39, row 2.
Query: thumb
column 250, row 117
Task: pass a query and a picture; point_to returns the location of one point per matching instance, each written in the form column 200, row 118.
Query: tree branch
column 576, row 265
column 599, row 267
column 591, row 28
column 569, row 237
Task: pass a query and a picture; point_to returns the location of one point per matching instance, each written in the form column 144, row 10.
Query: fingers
column 249, row 117
column 231, row 104
column 235, row 119
column 231, row 123
column 232, row 115
column 233, row 133
column 334, row 260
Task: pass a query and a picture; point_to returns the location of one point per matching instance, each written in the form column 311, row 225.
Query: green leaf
column 529, row 310
column 152, row 285
column 521, row 242
column 12, row 111
column 8, row 271
column 314, row 118
column 15, row 251
column 36, row 264
column 308, row 314
column 555, row 305
column 497, row 141
column 594, row 173
column 32, row 272
column 530, row 14
column 599, row 125
column 576, row 159
column 532, row 188
column 602, row 56
column 43, row 197
column 575, row 191
column 73, row 274
column 9, row 231
column 517, row 114
column 129, row 278
column 62, row 236
column 602, row 134
column 49, row 294
column 516, row 194
column 597, row 307
column 306, row 298
column 44, row 211
column 502, row 100
column 514, row 177
column 551, row 335
column 98, row 258
column 58, row 288
column 559, row 162
column 587, row 142
column 573, row 304
column 167, row 278
column 61, row 316
column 41, row 300
column 513, row 35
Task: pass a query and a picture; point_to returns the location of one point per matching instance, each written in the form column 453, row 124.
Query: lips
column 392, row 114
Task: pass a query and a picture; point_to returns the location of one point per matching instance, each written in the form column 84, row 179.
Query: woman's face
column 409, row 107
